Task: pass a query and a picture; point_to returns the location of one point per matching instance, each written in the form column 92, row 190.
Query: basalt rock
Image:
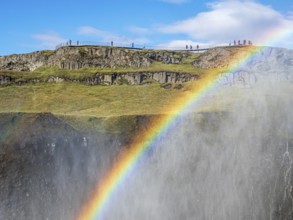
column 214, row 58
column 139, row 78
column 5, row 80
column 77, row 57
column 167, row 57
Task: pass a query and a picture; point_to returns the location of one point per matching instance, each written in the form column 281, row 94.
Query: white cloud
column 138, row 30
column 106, row 36
column 181, row 44
column 229, row 20
column 91, row 31
column 48, row 40
column 175, row 1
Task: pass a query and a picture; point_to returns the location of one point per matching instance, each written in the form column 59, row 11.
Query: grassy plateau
column 73, row 98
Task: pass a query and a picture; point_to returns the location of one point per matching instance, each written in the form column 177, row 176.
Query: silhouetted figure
column 186, row 47
column 77, row 43
column 132, row 45
column 244, row 42
column 234, row 42
column 239, row 42
column 111, row 43
column 70, row 42
column 190, row 47
column 197, row 46
column 249, row 42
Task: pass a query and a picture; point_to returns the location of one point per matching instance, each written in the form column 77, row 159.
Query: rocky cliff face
column 74, row 57
column 23, row 62
column 214, row 58
column 88, row 56
column 271, row 60
column 275, row 64
column 137, row 78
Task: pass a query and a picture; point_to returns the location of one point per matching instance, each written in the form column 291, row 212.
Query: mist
column 234, row 163
column 225, row 165
column 229, row 161
column 47, row 167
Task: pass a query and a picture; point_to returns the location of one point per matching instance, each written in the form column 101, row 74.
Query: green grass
column 47, row 53
column 69, row 98
column 79, row 99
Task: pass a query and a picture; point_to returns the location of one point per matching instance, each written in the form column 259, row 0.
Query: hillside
column 72, row 80
column 110, row 65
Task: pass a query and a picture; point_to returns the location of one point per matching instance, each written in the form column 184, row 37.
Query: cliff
column 113, row 65
column 73, row 58
column 136, row 78
column 22, row 68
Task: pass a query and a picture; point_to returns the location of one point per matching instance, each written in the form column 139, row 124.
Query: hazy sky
column 29, row 25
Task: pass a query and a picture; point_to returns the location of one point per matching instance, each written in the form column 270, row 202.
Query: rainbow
column 128, row 159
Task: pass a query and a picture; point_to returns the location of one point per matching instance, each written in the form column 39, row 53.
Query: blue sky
column 32, row 25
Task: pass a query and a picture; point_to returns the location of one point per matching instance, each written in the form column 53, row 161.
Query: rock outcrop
column 214, row 58
column 275, row 64
column 24, row 62
column 141, row 78
column 138, row 78
column 5, row 80
column 76, row 57
column 167, row 57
